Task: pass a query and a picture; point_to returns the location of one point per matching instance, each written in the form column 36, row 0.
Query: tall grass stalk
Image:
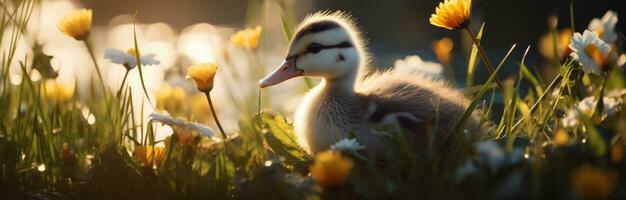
column 95, row 63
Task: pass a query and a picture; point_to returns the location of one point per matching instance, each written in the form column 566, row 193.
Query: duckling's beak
column 286, row 71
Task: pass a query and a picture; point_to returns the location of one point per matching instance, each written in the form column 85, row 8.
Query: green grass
column 49, row 148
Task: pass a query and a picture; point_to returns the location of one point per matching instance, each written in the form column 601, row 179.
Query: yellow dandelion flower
column 592, row 183
column 452, row 14
column 203, row 74
column 442, row 49
column 546, row 45
column 248, row 38
column 331, row 169
column 170, row 98
column 77, row 24
column 149, row 155
column 561, row 138
column 56, row 91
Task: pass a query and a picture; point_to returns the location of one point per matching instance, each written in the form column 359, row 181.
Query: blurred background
column 184, row 32
column 395, row 28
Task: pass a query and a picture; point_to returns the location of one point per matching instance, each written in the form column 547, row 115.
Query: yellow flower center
column 132, row 52
column 595, row 54
column 600, row 31
column 587, row 111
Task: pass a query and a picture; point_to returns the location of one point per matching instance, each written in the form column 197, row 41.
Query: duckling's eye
column 314, row 47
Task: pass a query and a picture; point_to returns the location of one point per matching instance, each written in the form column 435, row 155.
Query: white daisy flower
column 492, row 153
column 415, row 64
column 610, row 105
column 170, row 121
column 496, row 157
column 571, row 118
column 347, row 144
column 128, row 59
column 605, row 27
column 589, row 50
column 611, row 101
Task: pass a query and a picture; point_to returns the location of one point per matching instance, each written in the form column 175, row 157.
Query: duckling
column 349, row 100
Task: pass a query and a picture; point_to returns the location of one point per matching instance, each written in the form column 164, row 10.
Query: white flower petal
column 347, row 144
column 571, row 119
column 607, row 25
column 116, row 56
column 492, row 153
column 621, row 60
column 580, row 42
column 465, row 170
column 612, row 102
column 169, row 120
column 120, row 57
column 149, row 60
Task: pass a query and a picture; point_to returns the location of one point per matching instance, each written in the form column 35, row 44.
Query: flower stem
column 483, row 57
column 95, row 63
column 259, row 121
column 217, row 121
column 555, row 51
column 123, row 82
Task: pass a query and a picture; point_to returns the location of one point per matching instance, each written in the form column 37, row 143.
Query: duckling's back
column 417, row 103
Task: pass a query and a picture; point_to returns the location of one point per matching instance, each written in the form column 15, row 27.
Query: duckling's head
column 326, row 45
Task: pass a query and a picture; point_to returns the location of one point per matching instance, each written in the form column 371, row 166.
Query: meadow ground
column 127, row 127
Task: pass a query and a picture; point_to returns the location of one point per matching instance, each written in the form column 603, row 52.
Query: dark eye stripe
column 340, row 45
column 344, row 44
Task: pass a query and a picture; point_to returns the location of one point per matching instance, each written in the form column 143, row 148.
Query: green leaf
column 282, row 140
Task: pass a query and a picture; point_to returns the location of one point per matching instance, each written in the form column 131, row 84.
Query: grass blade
column 461, row 122
column 138, row 57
